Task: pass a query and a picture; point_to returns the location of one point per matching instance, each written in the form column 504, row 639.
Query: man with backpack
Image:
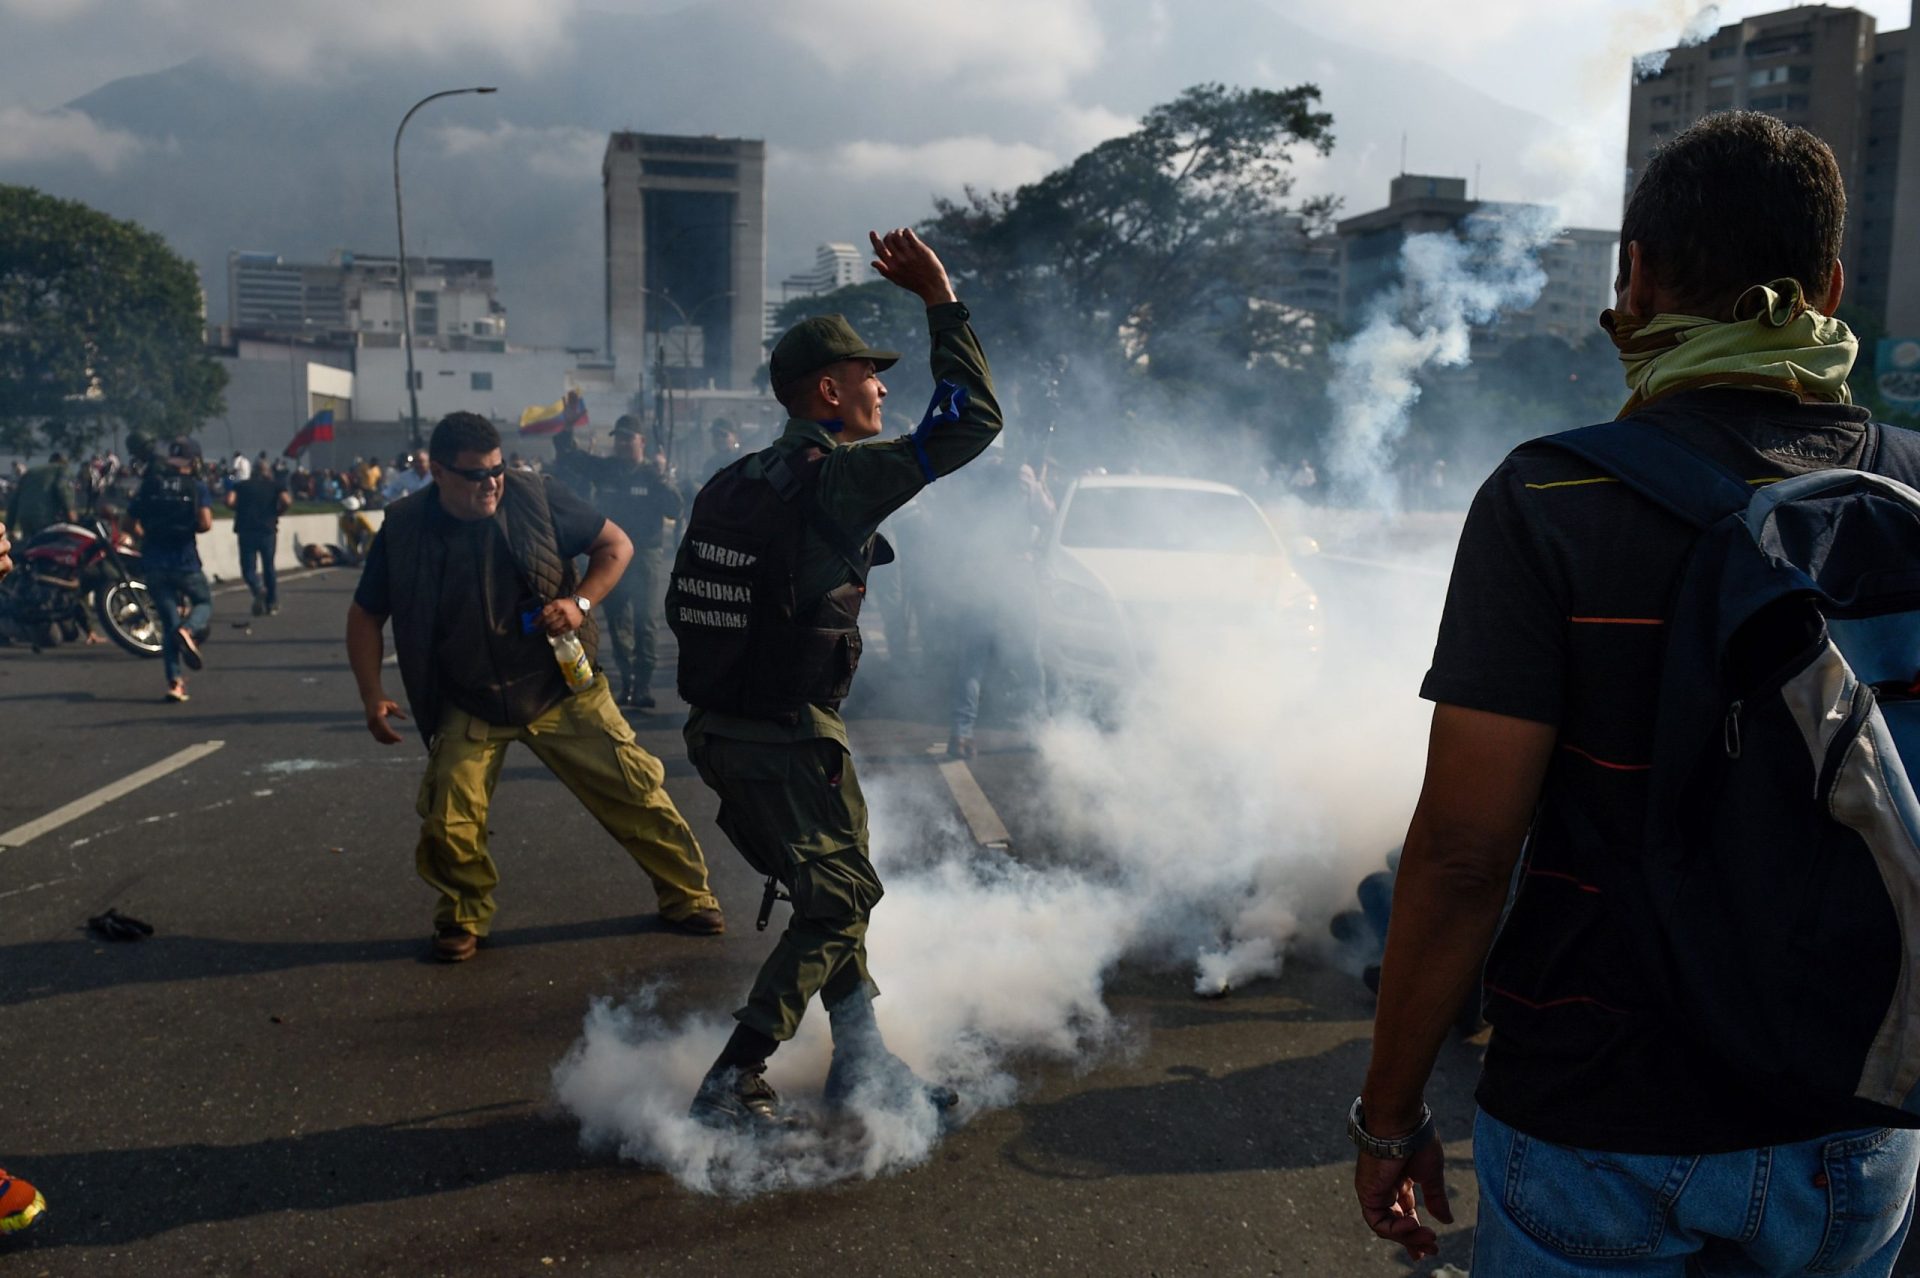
column 765, row 600
column 1657, row 671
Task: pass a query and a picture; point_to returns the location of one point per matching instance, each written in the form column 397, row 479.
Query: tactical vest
column 418, row 572
column 166, row 506
column 748, row 646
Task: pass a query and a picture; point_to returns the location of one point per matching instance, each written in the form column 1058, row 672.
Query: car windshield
column 1179, row 519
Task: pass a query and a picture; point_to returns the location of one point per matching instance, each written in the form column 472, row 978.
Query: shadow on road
column 1196, row 1123
column 118, row 1196
column 50, row 969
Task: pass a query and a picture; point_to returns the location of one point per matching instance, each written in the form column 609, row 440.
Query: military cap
column 185, row 447
column 628, row 425
column 817, row 342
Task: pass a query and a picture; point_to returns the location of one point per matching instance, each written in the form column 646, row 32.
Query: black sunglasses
column 477, row 474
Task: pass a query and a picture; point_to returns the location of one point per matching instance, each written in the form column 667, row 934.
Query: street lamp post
column 406, row 290
column 686, row 315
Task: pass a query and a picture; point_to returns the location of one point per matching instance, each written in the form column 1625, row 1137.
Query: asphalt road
column 279, row 1083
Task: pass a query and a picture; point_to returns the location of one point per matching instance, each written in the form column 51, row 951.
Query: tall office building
column 354, row 300
column 1830, row 71
column 686, row 252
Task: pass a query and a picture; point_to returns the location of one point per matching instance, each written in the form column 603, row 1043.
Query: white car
column 1138, row 569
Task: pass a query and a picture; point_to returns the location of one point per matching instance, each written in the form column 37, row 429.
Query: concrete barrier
column 220, row 549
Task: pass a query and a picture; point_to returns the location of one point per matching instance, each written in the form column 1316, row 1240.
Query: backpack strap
column 790, row 486
column 1681, row 480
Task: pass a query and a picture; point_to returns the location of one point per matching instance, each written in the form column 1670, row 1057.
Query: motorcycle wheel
column 126, row 612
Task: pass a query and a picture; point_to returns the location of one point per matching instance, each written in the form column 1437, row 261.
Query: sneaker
column 189, row 649
column 259, row 606
column 177, row 690
column 454, row 944
column 644, row 701
column 273, row 610
column 700, row 923
column 959, row 747
column 740, row 1099
column 20, row 1203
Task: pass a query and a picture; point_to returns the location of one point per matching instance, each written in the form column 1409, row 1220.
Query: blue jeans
column 260, row 579
column 1837, row 1205
column 168, row 587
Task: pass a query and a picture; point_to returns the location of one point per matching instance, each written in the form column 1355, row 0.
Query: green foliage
column 1152, row 275
column 886, row 317
column 100, row 326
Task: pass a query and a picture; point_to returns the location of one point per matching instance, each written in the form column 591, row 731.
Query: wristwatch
column 584, row 604
column 1395, row 1149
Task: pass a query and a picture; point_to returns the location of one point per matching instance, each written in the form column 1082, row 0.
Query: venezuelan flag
column 565, row 413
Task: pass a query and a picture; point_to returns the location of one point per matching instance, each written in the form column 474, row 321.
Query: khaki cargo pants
column 587, row 744
column 794, row 810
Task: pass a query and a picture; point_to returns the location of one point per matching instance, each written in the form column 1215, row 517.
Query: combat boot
column 863, row 1067
column 739, row 1099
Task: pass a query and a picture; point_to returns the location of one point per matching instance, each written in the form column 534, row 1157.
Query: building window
column 426, row 313
column 1770, row 102
column 1724, row 51
column 480, row 381
column 419, row 380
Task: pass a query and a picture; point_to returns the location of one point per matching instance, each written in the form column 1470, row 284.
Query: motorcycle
column 66, row 569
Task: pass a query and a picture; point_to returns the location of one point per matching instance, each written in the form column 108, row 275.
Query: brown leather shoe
column 454, row 944
column 700, row 923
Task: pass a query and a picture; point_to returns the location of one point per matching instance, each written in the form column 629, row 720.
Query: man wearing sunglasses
column 477, row 570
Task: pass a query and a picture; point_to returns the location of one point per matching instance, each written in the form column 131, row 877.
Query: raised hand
column 903, row 258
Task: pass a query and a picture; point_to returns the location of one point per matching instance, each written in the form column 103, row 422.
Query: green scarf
column 1775, row 341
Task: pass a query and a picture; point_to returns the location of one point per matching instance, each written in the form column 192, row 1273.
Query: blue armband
column 949, row 401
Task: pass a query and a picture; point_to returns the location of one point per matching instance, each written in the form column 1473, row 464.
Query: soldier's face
column 631, row 448
column 471, row 487
column 861, row 393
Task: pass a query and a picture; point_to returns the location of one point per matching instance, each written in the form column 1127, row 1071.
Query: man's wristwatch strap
column 584, row 604
column 1397, row 1148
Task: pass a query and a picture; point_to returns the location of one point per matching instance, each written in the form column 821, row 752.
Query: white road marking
column 21, row 835
column 291, row 574
column 989, row 831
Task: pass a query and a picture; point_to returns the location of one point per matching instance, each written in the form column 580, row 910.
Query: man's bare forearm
column 1447, row 901
column 607, row 561
column 366, row 651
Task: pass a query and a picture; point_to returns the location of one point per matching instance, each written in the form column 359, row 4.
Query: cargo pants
column 587, row 744
column 795, row 812
column 629, row 610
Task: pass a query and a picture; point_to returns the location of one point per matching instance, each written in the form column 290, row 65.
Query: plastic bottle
column 572, row 656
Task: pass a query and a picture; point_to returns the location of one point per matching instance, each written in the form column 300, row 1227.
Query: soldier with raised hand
column 765, row 600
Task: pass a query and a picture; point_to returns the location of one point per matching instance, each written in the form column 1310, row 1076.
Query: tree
column 1159, row 268
column 100, row 328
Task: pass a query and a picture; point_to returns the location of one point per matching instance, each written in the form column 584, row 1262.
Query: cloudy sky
column 925, row 99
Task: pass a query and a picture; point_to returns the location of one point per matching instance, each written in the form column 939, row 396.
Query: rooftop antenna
column 1476, row 180
column 1403, row 153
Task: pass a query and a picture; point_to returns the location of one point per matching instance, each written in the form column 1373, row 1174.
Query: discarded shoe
column 20, row 1203
column 739, row 1099
column 189, row 649
column 454, row 944
column 700, row 923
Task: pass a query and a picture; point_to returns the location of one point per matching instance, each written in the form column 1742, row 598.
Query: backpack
column 1782, row 850
column 748, row 645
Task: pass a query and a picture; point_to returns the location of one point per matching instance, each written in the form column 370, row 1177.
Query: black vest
column 166, row 507
column 748, row 646
column 450, row 602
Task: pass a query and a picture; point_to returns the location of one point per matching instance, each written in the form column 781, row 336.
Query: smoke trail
column 1448, row 285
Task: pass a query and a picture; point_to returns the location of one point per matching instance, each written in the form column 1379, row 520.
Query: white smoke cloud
column 1448, row 284
column 1209, row 825
column 31, row 136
